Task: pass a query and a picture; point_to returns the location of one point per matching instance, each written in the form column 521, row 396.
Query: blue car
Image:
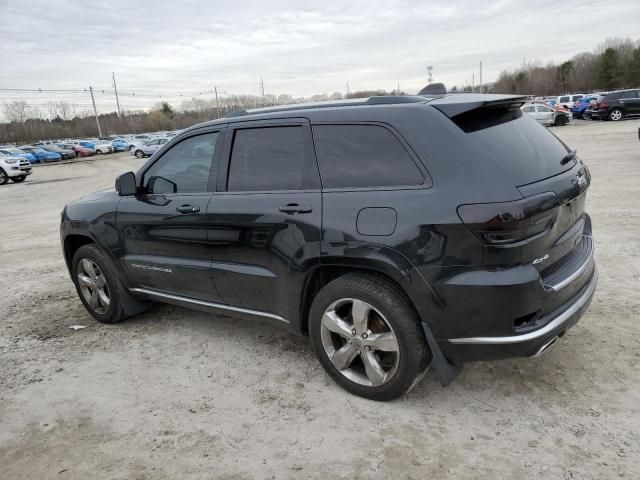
column 42, row 155
column 120, row 145
column 581, row 105
column 87, row 144
column 16, row 151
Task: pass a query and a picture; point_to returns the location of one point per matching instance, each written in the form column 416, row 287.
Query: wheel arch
column 72, row 243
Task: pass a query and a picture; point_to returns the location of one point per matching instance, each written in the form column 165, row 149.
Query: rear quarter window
column 361, row 156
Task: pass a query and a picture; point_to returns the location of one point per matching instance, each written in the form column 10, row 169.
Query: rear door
column 544, row 114
column 162, row 229
column 264, row 221
column 631, row 102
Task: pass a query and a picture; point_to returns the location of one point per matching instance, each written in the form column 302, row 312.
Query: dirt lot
column 175, row 393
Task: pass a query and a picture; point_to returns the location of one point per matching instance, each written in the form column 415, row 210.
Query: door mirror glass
column 126, row 184
column 161, row 185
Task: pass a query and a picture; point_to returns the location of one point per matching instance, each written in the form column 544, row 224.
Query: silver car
column 148, row 148
column 547, row 115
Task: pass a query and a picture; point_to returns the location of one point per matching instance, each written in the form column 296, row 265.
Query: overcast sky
column 297, row 47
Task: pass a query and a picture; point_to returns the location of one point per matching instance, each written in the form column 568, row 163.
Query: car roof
column 449, row 104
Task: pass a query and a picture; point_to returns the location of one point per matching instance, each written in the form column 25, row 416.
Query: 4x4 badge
column 541, row 259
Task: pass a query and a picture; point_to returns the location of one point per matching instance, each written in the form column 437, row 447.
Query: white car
column 148, row 148
column 102, row 146
column 546, row 115
column 13, row 168
column 569, row 99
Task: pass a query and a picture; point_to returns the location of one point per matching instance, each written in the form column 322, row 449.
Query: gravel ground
column 175, row 393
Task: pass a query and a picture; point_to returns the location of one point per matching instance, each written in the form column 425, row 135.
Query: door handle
column 293, row 208
column 188, row 209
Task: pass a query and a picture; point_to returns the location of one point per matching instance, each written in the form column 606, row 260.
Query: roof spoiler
column 433, row 89
column 453, row 105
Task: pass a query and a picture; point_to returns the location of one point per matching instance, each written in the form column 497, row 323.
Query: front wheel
column 3, row 177
column 97, row 284
column 139, row 154
column 367, row 337
column 561, row 121
column 616, row 115
column 98, row 152
column 19, row 179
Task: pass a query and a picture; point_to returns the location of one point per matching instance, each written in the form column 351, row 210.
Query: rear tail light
column 602, row 105
column 510, row 222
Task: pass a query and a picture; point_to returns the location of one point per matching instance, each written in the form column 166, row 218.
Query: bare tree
column 17, row 111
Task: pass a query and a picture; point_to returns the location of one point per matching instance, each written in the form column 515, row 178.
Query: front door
column 264, row 222
column 162, row 229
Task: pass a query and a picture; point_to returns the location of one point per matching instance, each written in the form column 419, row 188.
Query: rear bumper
column 555, row 324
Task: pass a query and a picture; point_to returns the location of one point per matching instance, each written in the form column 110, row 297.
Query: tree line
column 613, row 65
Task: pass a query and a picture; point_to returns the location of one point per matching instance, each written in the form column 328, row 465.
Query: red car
column 79, row 150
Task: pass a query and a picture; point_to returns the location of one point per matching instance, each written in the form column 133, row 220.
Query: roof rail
column 352, row 102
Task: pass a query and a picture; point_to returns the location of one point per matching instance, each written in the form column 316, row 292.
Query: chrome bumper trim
column 549, row 327
column 204, row 303
column 579, row 271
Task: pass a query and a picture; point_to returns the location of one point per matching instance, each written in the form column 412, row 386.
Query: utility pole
column 429, row 74
column 95, row 111
column 481, row 87
column 262, row 87
column 215, row 89
column 347, row 88
column 115, row 88
column 473, row 82
column 398, row 89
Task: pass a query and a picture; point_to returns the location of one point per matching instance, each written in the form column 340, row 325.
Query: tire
column 105, row 275
column 616, row 115
column 404, row 355
column 98, row 152
column 561, row 121
column 139, row 154
column 19, row 179
column 3, row 177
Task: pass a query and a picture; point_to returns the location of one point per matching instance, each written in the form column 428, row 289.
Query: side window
column 267, row 158
column 184, row 168
column 563, row 99
column 577, row 97
column 630, row 94
column 529, row 109
column 360, row 156
column 543, row 109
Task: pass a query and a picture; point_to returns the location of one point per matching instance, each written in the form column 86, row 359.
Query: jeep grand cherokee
column 396, row 232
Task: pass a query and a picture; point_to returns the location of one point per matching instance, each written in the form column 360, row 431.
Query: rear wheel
column 98, row 152
column 19, row 179
column 616, row 114
column 367, row 337
column 3, row 177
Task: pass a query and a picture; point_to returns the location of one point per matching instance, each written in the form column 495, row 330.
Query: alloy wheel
column 93, row 285
column 359, row 342
column 616, row 115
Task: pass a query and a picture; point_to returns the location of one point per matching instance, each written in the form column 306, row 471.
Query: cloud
column 297, row 47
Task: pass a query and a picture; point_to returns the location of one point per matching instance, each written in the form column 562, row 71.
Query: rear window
column 524, row 150
column 361, row 156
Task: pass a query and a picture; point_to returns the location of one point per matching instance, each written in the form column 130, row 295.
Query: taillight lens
column 602, row 105
column 510, row 222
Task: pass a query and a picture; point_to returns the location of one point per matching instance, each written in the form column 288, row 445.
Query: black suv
column 397, row 232
column 618, row 105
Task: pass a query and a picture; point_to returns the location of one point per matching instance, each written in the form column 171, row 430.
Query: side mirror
column 126, row 184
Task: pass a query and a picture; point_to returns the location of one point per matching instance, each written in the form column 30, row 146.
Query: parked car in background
column 546, row 115
column 41, row 154
column 16, row 151
column 568, row 100
column 617, row 105
column 79, row 150
column 65, row 153
column 149, row 148
column 101, row 147
column 119, row 145
column 13, row 167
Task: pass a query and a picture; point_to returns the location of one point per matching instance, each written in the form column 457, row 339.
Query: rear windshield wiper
column 568, row 157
